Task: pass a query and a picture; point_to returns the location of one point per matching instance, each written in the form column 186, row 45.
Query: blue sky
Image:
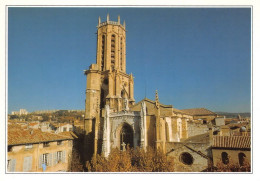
column 194, row 57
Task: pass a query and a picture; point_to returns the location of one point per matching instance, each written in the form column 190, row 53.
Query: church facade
column 112, row 118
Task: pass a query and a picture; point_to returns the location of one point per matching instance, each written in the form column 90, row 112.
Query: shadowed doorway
column 126, row 136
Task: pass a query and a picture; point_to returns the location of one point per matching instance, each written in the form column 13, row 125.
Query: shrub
column 132, row 160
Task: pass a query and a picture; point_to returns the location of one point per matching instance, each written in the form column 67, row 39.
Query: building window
column 186, row 158
column 241, row 158
column 46, row 144
column 204, row 121
column 59, row 156
column 224, row 157
column 64, row 129
column 103, row 53
column 28, row 146
column 8, row 165
column 11, row 165
column 70, row 129
column 113, row 51
column 121, row 54
column 27, row 164
column 10, row 148
column 59, row 142
column 46, row 159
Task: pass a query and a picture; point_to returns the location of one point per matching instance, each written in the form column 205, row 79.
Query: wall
column 199, row 163
column 196, row 128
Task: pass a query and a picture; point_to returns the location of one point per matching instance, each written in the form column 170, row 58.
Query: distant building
column 20, row 112
column 203, row 114
column 61, row 127
column 31, row 150
column 220, row 121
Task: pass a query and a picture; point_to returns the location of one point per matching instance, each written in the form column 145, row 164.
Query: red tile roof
column 198, row 111
column 22, row 136
column 231, row 142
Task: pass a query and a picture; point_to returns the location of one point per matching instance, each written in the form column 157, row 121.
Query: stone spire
column 124, row 24
column 157, row 100
column 99, row 21
column 118, row 19
column 107, row 17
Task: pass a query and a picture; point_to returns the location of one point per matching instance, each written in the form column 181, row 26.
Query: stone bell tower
column 107, row 80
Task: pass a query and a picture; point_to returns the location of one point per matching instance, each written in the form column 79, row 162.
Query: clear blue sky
column 194, row 57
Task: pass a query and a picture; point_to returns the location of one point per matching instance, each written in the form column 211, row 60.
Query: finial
column 124, row 24
column 156, row 99
column 118, row 19
column 99, row 20
column 107, row 17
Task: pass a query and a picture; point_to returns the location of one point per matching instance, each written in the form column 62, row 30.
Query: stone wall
column 232, row 155
column 196, row 129
column 198, row 162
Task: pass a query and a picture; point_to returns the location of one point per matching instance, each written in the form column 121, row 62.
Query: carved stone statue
column 126, row 104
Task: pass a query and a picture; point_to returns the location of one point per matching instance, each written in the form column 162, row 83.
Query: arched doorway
column 126, row 136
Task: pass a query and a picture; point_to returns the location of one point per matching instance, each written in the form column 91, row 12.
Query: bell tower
column 107, row 80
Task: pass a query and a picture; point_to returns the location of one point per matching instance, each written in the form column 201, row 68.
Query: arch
column 125, row 133
column 224, row 157
column 241, row 158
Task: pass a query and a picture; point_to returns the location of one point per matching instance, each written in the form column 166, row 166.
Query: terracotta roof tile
column 231, row 142
column 198, row 111
column 22, row 136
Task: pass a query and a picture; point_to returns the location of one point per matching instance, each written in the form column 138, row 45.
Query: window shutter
column 55, row 158
column 30, row 163
column 49, row 159
column 25, row 160
column 27, row 164
column 40, row 161
column 13, row 164
column 64, row 156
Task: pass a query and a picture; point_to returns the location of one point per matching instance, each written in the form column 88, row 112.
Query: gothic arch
column 125, row 133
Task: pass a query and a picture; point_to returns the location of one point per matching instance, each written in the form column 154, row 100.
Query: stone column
column 106, row 133
column 184, row 128
column 143, row 126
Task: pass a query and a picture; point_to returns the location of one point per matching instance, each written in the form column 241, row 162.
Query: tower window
column 103, row 53
column 113, row 51
column 121, row 53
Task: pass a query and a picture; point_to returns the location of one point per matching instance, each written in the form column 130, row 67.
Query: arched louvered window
column 113, row 47
column 103, row 52
column 121, row 53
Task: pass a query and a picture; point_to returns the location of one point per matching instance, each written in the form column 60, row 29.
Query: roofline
column 40, row 142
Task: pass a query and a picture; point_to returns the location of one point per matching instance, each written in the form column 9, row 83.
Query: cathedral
column 112, row 118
